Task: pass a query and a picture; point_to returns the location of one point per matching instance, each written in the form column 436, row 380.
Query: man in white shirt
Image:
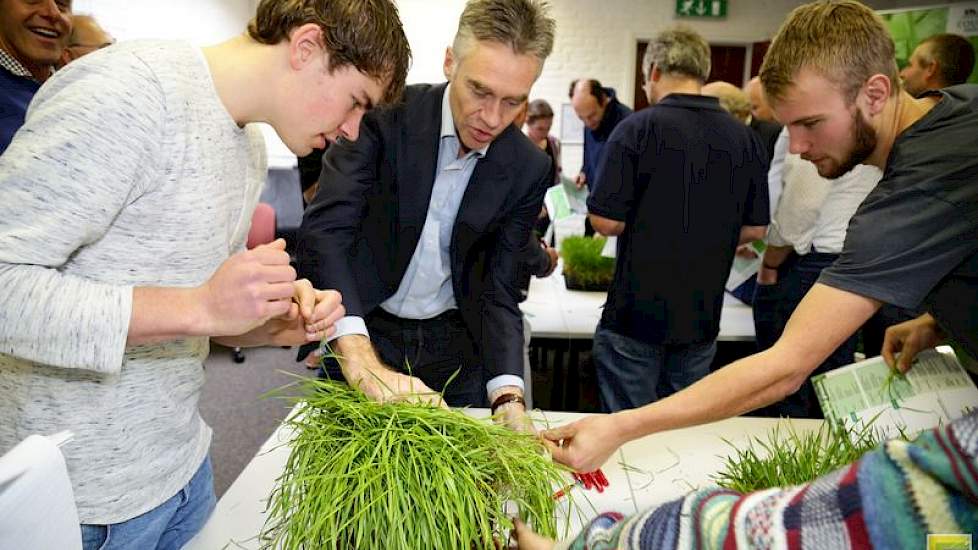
column 806, row 235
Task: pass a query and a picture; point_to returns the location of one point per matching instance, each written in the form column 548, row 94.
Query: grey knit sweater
column 128, row 172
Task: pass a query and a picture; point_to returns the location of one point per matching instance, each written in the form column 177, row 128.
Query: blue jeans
column 632, row 373
column 169, row 526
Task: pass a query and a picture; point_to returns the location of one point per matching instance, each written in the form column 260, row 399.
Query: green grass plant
column 584, row 266
column 398, row 475
column 783, row 459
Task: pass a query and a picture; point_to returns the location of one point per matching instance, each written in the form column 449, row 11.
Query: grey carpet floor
column 232, row 404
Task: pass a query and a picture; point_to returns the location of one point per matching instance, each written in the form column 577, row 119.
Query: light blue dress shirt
column 426, row 288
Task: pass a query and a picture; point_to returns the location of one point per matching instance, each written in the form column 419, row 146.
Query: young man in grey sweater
column 125, row 202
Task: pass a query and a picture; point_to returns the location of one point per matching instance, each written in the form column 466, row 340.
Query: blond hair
column 842, row 41
column 732, row 99
column 523, row 25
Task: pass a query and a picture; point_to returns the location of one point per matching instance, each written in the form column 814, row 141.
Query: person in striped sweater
column 893, row 497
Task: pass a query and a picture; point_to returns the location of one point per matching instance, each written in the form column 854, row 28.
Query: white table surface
column 670, row 464
column 555, row 312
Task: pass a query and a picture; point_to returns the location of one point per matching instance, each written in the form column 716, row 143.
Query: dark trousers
column 433, row 350
column 773, row 306
column 632, row 373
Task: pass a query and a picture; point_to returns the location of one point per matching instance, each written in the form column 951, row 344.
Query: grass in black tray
column 584, row 266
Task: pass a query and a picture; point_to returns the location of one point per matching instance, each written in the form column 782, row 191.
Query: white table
column 555, row 312
column 670, row 464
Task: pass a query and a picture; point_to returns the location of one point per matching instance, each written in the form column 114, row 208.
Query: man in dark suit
column 421, row 223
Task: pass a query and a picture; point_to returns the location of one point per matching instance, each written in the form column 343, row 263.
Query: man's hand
column 908, row 339
column 363, row 370
column 513, row 414
column 247, row 290
column 553, row 255
column 586, row 444
column 747, row 251
column 318, row 309
column 767, row 276
column 310, row 319
column 526, row 539
column 580, row 181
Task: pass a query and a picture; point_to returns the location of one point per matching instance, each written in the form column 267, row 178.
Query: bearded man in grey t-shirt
column 125, row 202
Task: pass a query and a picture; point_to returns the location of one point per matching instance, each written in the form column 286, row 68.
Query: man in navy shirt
column 600, row 111
column 33, row 36
column 683, row 183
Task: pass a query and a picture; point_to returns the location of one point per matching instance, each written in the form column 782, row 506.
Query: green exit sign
column 701, row 8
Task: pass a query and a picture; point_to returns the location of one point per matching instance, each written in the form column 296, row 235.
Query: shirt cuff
column 351, row 324
column 504, row 380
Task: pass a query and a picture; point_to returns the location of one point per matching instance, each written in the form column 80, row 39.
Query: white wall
column 201, row 22
column 595, row 38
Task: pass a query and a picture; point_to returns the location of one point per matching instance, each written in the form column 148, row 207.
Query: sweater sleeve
column 892, row 497
column 90, row 138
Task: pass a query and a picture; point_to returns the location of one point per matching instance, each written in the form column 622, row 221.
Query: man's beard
column 863, row 144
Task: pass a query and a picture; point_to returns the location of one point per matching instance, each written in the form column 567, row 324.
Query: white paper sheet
column 37, row 505
column 936, row 391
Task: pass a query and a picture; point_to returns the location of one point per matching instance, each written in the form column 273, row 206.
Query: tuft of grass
column 398, row 475
column 584, row 266
column 783, row 460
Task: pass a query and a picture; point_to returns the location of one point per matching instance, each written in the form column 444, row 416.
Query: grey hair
column 678, row 50
column 523, row 25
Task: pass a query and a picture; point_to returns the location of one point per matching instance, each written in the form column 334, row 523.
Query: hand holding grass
column 310, row 318
column 908, row 339
column 512, row 413
column 526, row 539
column 586, row 444
column 363, row 370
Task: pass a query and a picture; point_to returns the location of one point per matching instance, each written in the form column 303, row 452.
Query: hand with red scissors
column 586, row 444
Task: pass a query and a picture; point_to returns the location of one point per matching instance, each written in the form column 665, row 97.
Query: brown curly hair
column 364, row 34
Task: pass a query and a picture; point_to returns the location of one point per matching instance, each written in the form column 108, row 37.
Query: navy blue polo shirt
column 16, row 93
column 594, row 140
column 684, row 176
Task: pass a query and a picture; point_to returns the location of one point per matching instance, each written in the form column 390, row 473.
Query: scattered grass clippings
column 784, row 459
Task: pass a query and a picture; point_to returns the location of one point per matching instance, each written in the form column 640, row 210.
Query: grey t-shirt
column 128, row 172
column 914, row 240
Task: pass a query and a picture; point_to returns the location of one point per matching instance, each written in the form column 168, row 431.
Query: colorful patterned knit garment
column 891, row 498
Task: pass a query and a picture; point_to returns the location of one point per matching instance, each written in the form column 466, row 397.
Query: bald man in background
column 600, row 111
column 86, row 37
column 759, row 108
column 761, row 117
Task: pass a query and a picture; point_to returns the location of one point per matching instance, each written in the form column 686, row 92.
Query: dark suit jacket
column 361, row 230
